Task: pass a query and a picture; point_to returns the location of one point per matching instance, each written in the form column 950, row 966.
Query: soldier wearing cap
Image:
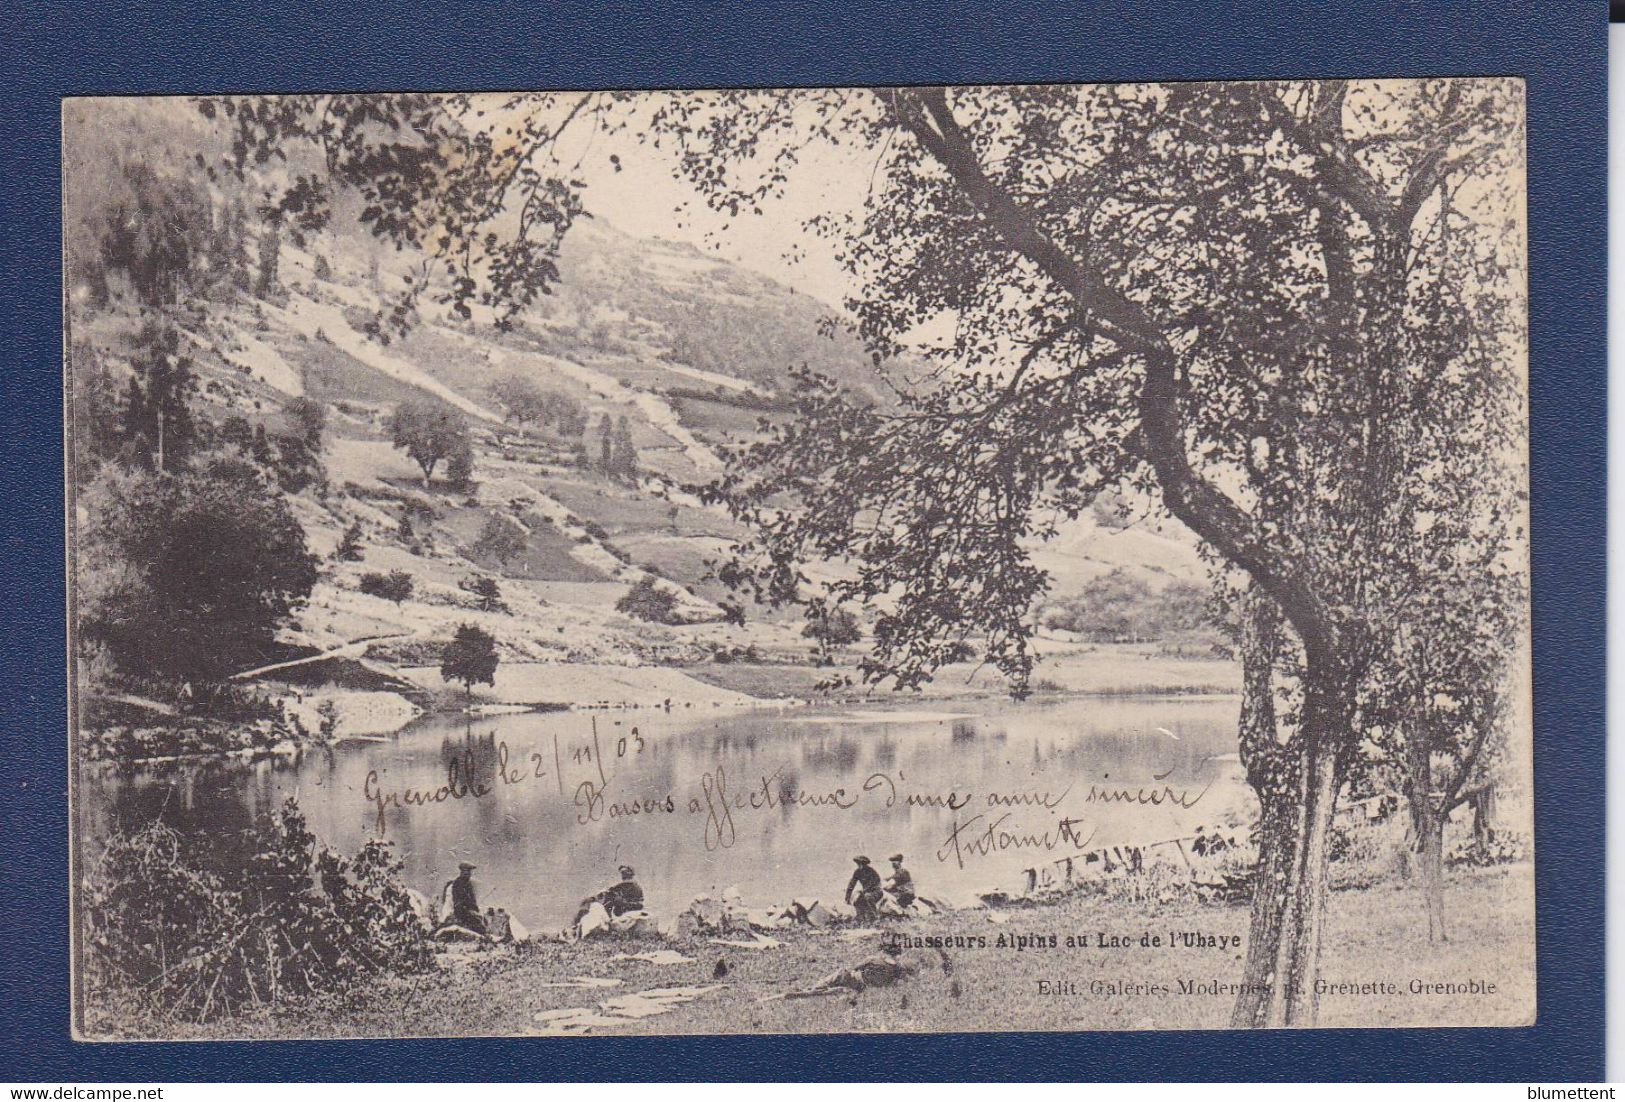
column 618, row 899
column 900, row 883
column 866, row 883
column 465, row 908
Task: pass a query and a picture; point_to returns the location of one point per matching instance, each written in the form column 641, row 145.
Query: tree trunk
column 1483, row 804
column 1427, row 824
column 1430, row 859
column 1275, row 853
column 1289, row 895
column 1298, row 956
column 1268, row 765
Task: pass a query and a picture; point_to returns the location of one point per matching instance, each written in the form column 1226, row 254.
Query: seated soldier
column 900, row 883
column 863, row 890
column 617, row 899
column 465, row 907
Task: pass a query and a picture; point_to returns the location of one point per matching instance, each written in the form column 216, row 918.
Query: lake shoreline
column 525, row 688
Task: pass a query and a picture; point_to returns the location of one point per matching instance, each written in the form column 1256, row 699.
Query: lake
column 776, row 801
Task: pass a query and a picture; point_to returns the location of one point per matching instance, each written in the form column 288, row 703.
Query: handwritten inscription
column 983, row 824
column 980, row 836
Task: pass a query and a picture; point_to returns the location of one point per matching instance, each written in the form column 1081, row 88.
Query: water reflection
column 551, row 804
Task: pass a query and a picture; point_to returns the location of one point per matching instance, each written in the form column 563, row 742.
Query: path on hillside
column 355, row 648
column 310, row 318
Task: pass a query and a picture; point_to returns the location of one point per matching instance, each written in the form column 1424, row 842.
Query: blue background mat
column 1560, row 48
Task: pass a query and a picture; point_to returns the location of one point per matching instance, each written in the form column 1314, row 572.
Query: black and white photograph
column 817, row 560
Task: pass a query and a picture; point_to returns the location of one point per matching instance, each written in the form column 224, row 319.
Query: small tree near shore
column 832, row 627
column 470, row 657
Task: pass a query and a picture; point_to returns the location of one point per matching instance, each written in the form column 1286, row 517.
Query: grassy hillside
column 678, row 351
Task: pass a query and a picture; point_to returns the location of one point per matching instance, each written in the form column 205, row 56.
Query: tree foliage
column 428, row 433
column 522, row 401
column 499, row 539
column 195, row 571
column 159, row 430
column 432, row 176
column 153, row 230
column 470, row 657
column 648, row 601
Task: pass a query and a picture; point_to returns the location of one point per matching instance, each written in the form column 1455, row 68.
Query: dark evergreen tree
column 606, row 446
column 349, row 548
column 270, row 251
column 624, row 455
column 159, row 430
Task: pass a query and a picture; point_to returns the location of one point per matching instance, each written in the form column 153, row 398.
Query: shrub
column 349, row 548
column 395, row 586
column 832, row 627
column 460, row 469
column 645, row 601
column 167, row 931
column 500, row 538
column 487, row 594
column 1503, row 849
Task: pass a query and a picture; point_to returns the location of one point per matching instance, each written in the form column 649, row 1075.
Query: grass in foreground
column 1375, row 935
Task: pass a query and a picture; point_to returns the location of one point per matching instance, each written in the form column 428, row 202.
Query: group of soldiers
column 866, row 892
column 464, row 910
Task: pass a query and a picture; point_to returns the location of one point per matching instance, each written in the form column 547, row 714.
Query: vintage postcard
column 817, row 560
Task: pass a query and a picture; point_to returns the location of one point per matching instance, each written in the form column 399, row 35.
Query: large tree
column 1230, row 295
column 192, row 574
column 428, row 433
column 521, row 399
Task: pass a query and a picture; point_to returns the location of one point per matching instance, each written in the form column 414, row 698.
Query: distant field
column 545, row 557
column 717, row 418
column 333, row 376
column 619, row 509
column 680, row 558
